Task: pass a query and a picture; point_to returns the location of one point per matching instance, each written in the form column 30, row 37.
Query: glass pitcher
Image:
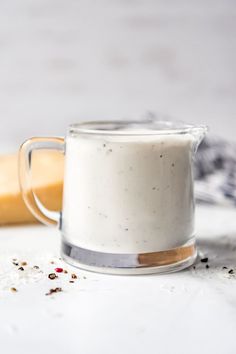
column 128, row 199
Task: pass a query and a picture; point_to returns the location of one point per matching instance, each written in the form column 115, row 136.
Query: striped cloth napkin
column 215, row 172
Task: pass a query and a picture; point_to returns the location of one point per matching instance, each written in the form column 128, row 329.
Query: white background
column 63, row 61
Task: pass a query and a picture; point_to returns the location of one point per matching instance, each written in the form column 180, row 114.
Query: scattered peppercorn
column 14, row 290
column 15, row 263
column 52, row 276
column 24, row 263
column 224, row 267
column 65, row 271
column 71, row 281
column 204, row 260
column 36, row 267
column 207, row 266
column 194, row 267
column 55, row 290
column 231, row 271
column 59, row 270
column 21, row 268
column 161, row 156
column 52, row 262
column 73, row 276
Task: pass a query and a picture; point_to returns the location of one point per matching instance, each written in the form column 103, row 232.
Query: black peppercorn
column 52, row 276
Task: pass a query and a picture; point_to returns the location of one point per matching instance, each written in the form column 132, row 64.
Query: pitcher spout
column 198, row 133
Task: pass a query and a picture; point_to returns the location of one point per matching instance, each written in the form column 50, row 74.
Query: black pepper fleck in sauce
column 108, row 152
column 103, row 215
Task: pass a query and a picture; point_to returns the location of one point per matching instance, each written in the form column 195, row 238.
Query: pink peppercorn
column 59, row 270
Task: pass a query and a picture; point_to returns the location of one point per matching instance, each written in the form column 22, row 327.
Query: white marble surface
column 63, row 61
column 193, row 311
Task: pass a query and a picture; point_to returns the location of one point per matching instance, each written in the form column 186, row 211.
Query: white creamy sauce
column 128, row 194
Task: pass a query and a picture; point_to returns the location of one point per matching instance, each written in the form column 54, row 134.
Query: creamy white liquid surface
column 128, row 194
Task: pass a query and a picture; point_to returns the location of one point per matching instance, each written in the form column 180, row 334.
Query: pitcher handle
column 46, row 216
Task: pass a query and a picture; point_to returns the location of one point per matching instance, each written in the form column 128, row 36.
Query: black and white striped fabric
column 215, row 172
